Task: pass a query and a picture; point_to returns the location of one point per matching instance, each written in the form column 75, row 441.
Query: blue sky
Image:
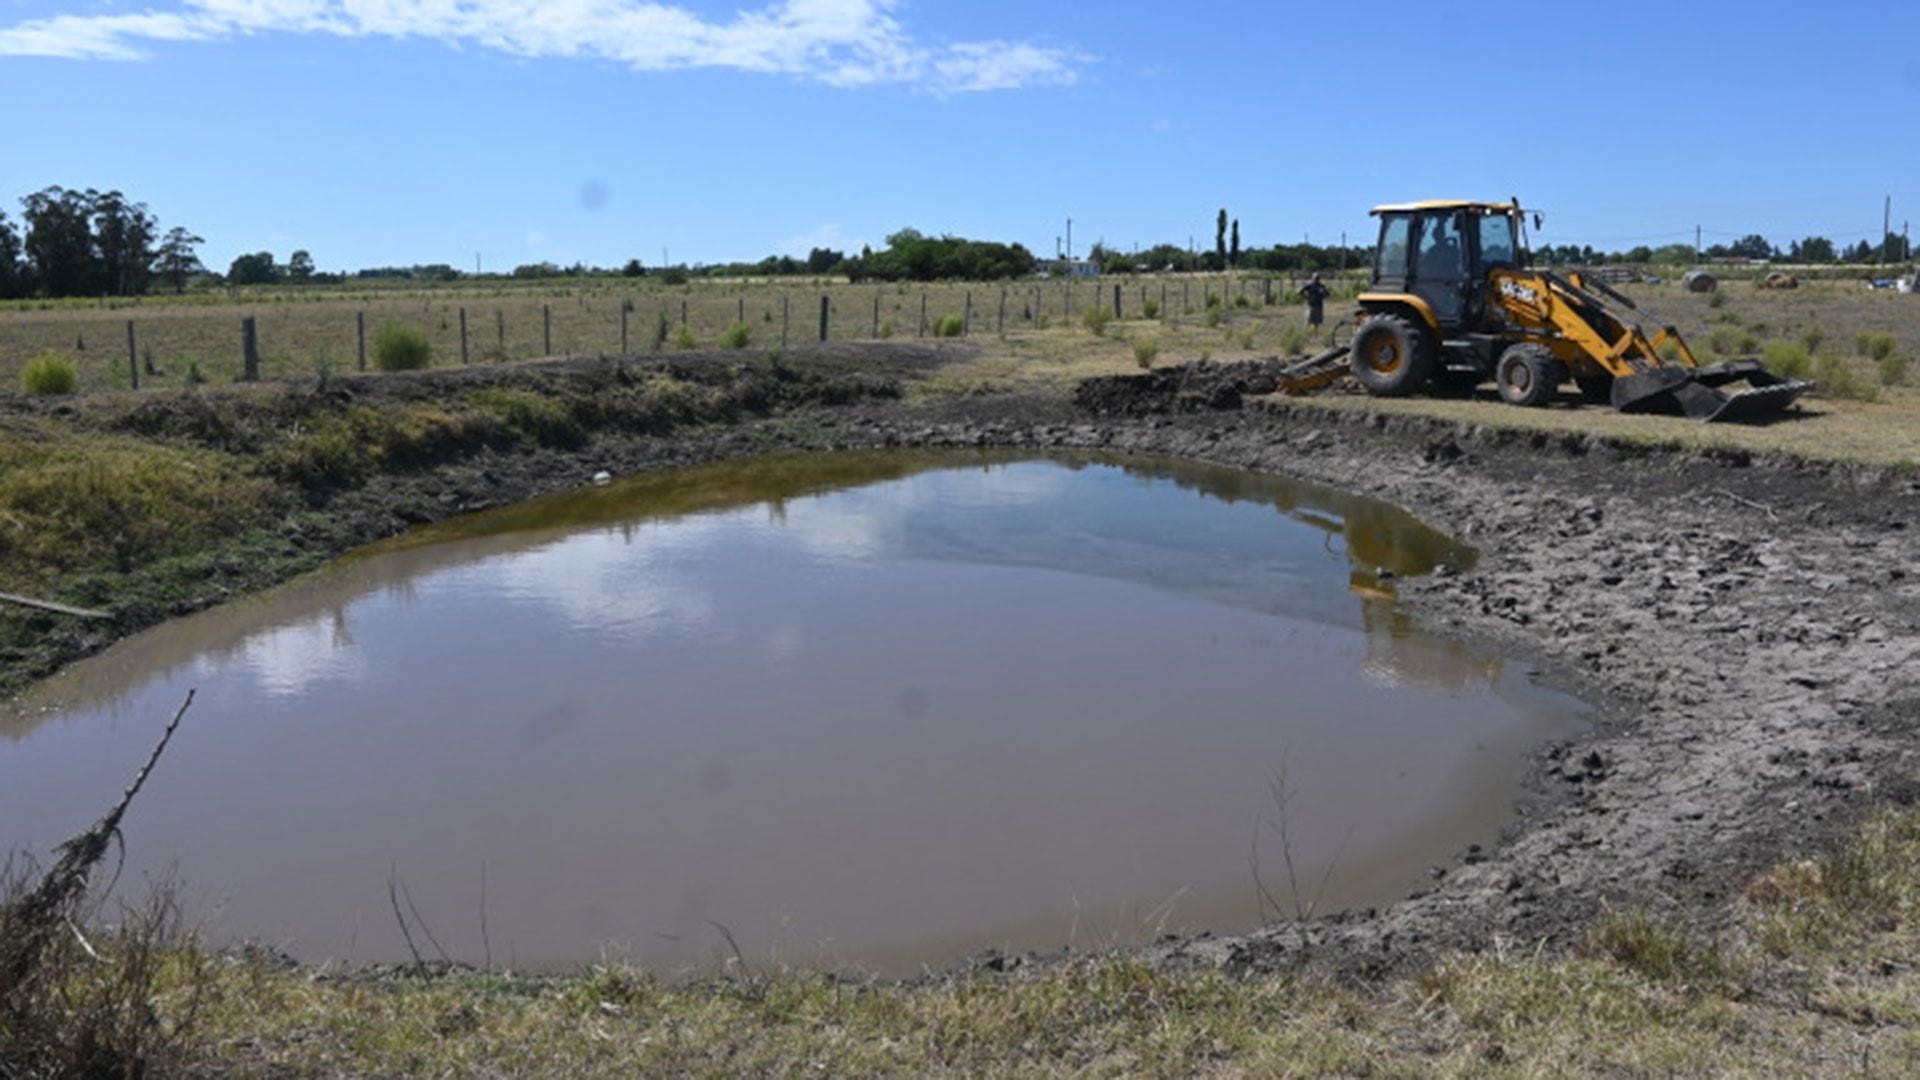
column 374, row 132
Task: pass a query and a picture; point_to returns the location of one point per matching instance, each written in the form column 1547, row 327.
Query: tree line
column 90, row 243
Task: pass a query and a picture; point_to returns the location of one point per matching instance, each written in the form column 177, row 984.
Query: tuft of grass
column 683, row 338
column 735, row 336
column 1875, row 345
column 662, row 330
column 1893, row 368
column 1716, row 299
column 48, row 373
column 1152, row 309
column 1213, row 316
column 1634, row 941
column 1095, row 319
column 397, row 347
column 949, row 326
column 533, row 417
column 1787, row 359
column 1813, row 337
column 888, row 327
column 1144, row 350
column 1293, row 339
column 1838, row 380
column 1834, row 901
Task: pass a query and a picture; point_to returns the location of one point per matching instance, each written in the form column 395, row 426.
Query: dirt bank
column 1750, row 627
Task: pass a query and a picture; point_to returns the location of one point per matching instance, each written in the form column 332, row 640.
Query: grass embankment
column 1815, row 977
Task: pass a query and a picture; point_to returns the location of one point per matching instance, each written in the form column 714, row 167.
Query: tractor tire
column 1595, row 389
column 1391, row 356
column 1529, row 376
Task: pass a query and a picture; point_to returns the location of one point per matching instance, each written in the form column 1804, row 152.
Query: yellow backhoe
column 1454, row 302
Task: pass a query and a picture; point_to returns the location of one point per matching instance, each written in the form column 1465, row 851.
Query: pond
column 873, row 711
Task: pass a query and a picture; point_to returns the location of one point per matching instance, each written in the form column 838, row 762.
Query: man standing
column 1315, row 292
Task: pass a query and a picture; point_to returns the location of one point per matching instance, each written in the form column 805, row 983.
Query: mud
column 1750, row 625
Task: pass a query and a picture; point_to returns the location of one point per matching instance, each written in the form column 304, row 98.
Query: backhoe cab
column 1454, row 302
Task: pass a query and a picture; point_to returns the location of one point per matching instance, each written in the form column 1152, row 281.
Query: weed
column 1213, row 299
column 662, row 329
column 1893, row 368
column 683, row 338
column 1213, row 316
column 949, row 326
column 1787, row 359
column 1245, row 338
column 1716, row 299
column 1748, row 344
column 1721, row 339
column 1152, row 309
column 1813, row 337
column 735, row 336
column 1875, row 345
column 48, row 373
column 1095, row 319
column 532, row 416
column 1293, row 339
column 194, row 378
column 1637, row 943
column 1241, row 302
column 1144, row 350
column 888, row 327
column 397, row 347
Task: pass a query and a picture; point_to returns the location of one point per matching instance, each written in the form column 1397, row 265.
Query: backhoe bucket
column 1701, row 393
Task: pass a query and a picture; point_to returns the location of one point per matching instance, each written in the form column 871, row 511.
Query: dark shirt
column 1315, row 292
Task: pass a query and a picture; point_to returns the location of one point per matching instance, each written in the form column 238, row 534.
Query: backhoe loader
column 1454, row 302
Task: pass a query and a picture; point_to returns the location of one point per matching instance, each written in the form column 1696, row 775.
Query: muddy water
column 871, row 711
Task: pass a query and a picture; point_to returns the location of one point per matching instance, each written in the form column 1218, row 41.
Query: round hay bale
column 1700, row 281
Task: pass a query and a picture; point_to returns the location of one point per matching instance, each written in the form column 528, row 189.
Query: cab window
column 1496, row 240
column 1442, row 257
column 1393, row 249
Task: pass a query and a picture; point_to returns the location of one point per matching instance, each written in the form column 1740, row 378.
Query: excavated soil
column 1748, row 626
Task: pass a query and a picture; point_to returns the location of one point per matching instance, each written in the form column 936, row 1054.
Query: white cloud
column 830, row 236
column 837, row 42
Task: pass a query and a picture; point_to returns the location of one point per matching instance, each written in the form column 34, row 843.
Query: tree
column 1233, row 247
column 1752, row 246
column 176, row 260
column 59, row 242
column 823, row 260
column 123, row 235
column 633, row 269
column 300, row 267
column 1641, row 254
column 1813, row 249
column 255, row 269
column 13, row 274
column 1894, row 248
column 1220, row 236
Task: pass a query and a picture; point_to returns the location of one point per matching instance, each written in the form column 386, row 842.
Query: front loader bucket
column 1704, row 393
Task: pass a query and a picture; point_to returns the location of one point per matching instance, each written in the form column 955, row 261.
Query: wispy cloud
column 838, row 42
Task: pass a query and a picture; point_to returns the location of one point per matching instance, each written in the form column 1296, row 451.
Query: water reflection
column 867, row 708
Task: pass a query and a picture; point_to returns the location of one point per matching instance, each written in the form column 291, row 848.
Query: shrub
column 400, row 348
column 1716, row 299
column 534, row 417
column 1748, row 344
column 1144, row 350
column 662, row 329
column 674, row 276
column 1152, row 308
column 949, row 326
column 1812, row 337
column 1213, row 316
column 735, row 336
column 1241, row 302
column 1245, row 337
column 1837, row 380
column 1787, row 359
column 1875, row 345
column 48, row 373
column 888, row 327
column 683, row 338
column 1293, row 339
column 1095, row 319
column 1213, row 299
column 1722, row 338
column 1893, row 369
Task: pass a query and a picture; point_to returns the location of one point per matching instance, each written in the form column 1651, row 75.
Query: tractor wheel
column 1529, row 375
column 1391, row 356
column 1595, row 389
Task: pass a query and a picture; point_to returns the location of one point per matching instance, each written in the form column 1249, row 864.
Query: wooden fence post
column 1003, row 312
column 133, row 357
column 360, row 328
column 876, row 313
column 966, row 320
column 825, row 308
column 546, row 330
column 923, row 313
column 623, row 329
column 741, row 314
column 500, row 332
column 683, row 311
column 463, row 336
column 249, row 350
column 1116, row 303
column 784, row 316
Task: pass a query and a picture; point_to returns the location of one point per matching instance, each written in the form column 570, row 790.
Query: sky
column 396, row 132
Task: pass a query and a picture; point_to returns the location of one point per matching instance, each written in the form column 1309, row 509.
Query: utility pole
column 1696, row 241
column 1069, row 239
column 1886, row 229
column 476, row 264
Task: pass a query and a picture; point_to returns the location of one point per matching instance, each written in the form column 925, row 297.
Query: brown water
column 876, row 711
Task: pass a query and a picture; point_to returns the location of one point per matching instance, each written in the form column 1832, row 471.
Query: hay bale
column 1780, row 279
column 1700, row 281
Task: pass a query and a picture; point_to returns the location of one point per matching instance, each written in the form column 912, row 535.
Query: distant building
column 1082, row 268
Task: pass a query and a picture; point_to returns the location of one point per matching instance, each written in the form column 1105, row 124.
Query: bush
column 888, row 327
column 48, row 373
column 1152, row 308
column 1749, row 344
column 400, row 348
column 1875, row 345
column 662, row 330
column 674, row 276
column 1716, row 299
column 1787, row 359
column 1722, row 338
column 1893, row 369
column 1144, row 350
column 1241, row 302
column 1213, row 316
column 949, row 326
column 1213, row 299
column 1837, row 379
column 683, row 338
column 1095, row 319
column 735, row 336
column 1812, row 337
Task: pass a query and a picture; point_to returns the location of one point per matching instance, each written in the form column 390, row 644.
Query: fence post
column 1002, row 328
column 1267, row 287
column 249, row 350
column 546, row 330
column 133, row 357
column 1163, row 300
column 360, row 328
column 740, row 315
column 966, row 320
column 1186, row 296
column 1116, row 303
column 500, row 332
column 923, row 314
column 876, row 313
column 623, row 329
column 683, row 311
column 785, row 304
column 463, row 336
column 824, row 310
